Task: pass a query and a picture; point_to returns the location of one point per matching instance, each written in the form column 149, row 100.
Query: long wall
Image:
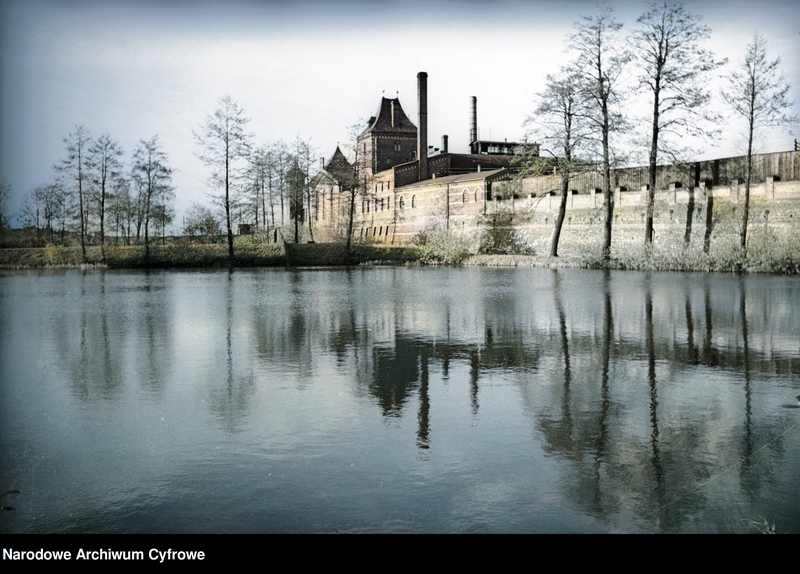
column 395, row 214
column 774, row 205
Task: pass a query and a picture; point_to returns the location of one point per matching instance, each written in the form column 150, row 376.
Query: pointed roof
column 338, row 166
column 390, row 118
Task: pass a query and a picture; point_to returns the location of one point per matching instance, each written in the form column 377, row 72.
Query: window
column 402, row 202
column 464, row 198
column 413, row 201
column 396, row 146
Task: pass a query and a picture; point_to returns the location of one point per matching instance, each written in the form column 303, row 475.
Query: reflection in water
column 658, row 470
column 309, row 395
column 423, row 416
column 566, row 413
column 230, row 400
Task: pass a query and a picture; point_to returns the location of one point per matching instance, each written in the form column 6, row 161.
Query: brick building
column 400, row 184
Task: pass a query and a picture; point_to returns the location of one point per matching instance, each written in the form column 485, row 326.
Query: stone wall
column 774, row 205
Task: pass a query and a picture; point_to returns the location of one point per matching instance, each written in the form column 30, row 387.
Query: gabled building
column 404, row 184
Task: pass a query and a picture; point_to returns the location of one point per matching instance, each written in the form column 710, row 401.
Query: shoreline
column 199, row 256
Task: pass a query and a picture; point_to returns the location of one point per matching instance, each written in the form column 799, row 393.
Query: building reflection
column 613, row 369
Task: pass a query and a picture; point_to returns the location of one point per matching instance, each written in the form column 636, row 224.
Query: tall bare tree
column 225, row 143
column 757, row 92
column 258, row 175
column 673, row 65
column 74, row 173
column 106, row 170
column 559, row 122
column 353, row 184
column 305, row 153
column 601, row 58
column 153, row 179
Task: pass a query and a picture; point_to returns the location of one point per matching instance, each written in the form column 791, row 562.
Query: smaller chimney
column 473, row 124
column 444, row 144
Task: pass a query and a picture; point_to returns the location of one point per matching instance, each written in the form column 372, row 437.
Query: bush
column 500, row 237
column 437, row 246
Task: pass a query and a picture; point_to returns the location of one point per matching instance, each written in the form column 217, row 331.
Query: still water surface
column 398, row 400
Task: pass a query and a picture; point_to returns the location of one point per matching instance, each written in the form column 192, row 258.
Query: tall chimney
column 422, row 134
column 473, row 124
column 444, row 144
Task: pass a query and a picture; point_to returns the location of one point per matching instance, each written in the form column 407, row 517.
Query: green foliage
column 437, row 246
column 500, row 237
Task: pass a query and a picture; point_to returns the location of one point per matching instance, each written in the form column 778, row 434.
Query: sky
column 135, row 69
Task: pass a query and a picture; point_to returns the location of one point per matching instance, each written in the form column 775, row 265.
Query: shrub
column 438, row 246
column 500, row 237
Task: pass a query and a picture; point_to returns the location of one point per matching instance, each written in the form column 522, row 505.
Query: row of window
column 373, row 231
column 386, row 203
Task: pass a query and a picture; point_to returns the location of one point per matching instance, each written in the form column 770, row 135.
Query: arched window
column 413, row 201
column 402, row 202
column 464, row 197
column 477, row 191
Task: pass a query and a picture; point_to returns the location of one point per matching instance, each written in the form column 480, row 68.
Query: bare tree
column 353, row 184
column 74, row 171
column 106, row 170
column 304, row 153
column 43, row 207
column 558, row 122
column 201, row 222
column 296, row 181
column 258, row 175
column 122, row 209
column 224, row 144
column 280, row 166
column 757, row 92
column 601, row 59
column 673, row 65
column 153, row 179
column 5, row 195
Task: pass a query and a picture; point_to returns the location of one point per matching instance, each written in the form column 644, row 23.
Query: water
column 398, row 400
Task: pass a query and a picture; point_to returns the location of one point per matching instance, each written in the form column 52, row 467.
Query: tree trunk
column 651, row 191
column 562, row 212
column 350, row 220
column 608, row 196
column 228, row 208
column 747, row 178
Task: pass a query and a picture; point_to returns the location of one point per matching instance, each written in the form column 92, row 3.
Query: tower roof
column 338, row 166
column 390, row 118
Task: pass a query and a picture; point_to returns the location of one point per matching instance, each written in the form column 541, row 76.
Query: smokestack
column 444, row 144
column 473, row 124
column 422, row 134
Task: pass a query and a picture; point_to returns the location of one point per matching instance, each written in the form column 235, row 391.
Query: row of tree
column 94, row 195
column 93, row 192
column 257, row 181
column 581, row 110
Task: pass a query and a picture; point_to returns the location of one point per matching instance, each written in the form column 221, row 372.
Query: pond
column 395, row 399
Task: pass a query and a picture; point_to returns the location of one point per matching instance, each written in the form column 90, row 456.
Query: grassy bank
column 334, row 254
column 189, row 255
column 133, row 257
column 768, row 254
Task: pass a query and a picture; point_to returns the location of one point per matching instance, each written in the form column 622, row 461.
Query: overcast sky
column 137, row 69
